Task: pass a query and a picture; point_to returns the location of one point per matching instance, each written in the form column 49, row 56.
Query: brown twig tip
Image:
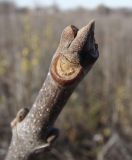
column 76, row 52
column 88, row 28
column 68, row 35
column 92, row 25
column 82, row 37
column 70, row 31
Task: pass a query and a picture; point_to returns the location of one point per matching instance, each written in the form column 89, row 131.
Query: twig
column 74, row 57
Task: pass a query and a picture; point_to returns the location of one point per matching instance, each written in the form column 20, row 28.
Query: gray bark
column 74, row 57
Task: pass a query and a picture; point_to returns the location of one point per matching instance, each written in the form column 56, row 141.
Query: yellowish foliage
column 25, row 65
column 3, row 66
column 25, row 52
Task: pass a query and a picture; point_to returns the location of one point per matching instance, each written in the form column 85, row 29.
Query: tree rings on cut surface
column 63, row 71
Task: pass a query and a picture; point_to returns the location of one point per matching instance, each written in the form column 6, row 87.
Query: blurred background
column 101, row 106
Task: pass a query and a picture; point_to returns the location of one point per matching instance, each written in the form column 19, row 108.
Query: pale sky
column 65, row 4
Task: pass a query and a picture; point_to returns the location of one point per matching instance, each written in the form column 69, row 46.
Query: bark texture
column 74, row 57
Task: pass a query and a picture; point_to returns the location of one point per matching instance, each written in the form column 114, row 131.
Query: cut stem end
column 63, row 71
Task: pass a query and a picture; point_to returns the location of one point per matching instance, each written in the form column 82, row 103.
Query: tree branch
column 76, row 53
